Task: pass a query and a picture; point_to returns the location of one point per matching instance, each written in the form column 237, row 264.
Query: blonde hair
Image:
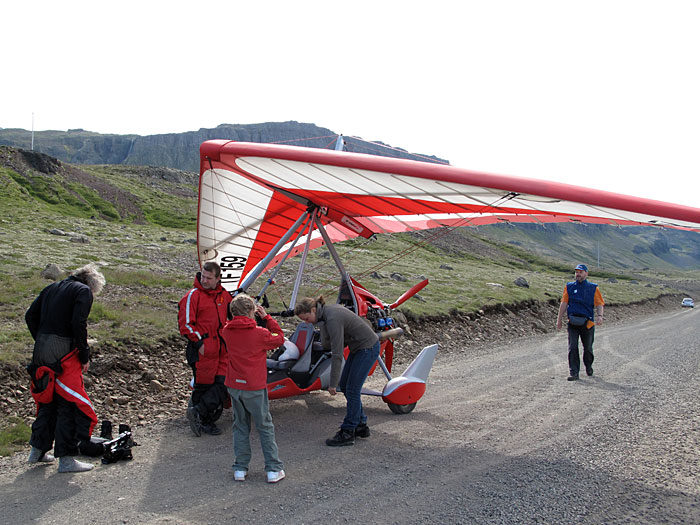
column 242, row 304
column 91, row 276
column 305, row 305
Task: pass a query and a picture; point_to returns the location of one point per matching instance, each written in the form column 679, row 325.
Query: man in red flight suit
column 202, row 313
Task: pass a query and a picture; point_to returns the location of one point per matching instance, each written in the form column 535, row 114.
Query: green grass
column 22, row 285
column 13, row 194
column 61, row 197
column 145, row 278
column 101, row 312
column 170, row 218
column 101, row 206
column 16, row 346
column 472, row 283
column 159, row 206
column 14, row 437
column 142, row 320
column 53, row 191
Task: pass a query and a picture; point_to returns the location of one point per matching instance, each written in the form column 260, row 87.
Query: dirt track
column 500, row 437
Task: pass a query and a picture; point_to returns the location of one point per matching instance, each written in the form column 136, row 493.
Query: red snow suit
column 202, row 314
column 68, row 384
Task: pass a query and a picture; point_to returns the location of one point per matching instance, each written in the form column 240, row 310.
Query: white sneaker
column 274, row 477
column 239, row 475
column 36, row 456
column 70, row 464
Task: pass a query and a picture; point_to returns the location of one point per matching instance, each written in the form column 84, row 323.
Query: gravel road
column 499, row 437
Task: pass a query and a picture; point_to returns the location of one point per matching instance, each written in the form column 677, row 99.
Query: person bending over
column 340, row 328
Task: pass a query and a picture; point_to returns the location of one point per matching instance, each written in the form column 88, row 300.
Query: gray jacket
column 340, row 328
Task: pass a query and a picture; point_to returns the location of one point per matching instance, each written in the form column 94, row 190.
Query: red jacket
column 204, row 312
column 247, row 345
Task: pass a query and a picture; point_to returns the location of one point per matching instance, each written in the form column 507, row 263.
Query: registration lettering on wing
column 353, row 225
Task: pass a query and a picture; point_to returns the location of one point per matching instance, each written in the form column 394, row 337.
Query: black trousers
column 209, row 399
column 60, row 421
column 586, row 335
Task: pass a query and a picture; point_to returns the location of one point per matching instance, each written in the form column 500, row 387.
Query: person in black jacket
column 57, row 320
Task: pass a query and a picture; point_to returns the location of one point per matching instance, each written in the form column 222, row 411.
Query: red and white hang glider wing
column 251, row 194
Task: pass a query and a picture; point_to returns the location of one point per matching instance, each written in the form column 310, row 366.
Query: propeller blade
column 410, row 293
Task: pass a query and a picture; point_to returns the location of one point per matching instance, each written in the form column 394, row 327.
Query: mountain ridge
column 181, row 150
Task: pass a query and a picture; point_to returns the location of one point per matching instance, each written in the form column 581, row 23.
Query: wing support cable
column 433, row 237
column 438, row 234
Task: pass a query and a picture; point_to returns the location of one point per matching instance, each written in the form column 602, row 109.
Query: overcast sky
column 604, row 94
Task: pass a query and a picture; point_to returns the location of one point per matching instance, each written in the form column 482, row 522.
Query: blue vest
column 581, row 297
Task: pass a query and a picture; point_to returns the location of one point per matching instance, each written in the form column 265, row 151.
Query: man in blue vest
column 583, row 304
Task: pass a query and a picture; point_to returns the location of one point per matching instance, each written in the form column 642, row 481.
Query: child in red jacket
column 246, row 380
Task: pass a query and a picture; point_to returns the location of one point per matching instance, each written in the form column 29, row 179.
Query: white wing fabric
column 251, row 194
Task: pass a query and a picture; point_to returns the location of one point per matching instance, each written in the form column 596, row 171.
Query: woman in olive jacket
column 341, row 327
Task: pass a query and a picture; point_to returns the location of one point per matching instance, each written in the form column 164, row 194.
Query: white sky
column 604, row 94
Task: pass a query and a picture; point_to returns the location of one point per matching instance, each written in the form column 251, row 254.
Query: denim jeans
column 586, row 335
column 355, row 371
column 247, row 405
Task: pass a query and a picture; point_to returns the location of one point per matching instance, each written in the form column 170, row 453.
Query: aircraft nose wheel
column 401, row 409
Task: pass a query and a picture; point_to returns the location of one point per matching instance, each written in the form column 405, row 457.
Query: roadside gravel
column 499, row 437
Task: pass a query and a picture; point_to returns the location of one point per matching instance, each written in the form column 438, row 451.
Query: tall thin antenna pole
column 32, row 131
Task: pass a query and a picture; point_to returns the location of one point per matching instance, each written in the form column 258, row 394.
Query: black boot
column 195, row 420
column 106, row 431
column 211, row 429
column 341, row 439
column 362, row 430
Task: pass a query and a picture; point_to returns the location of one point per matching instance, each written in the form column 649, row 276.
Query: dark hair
column 305, row 305
column 211, row 266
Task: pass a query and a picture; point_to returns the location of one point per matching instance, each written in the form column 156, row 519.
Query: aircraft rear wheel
column 401, row 409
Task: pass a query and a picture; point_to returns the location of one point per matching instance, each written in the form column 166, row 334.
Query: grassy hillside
column 628, row 248
column 138, row 224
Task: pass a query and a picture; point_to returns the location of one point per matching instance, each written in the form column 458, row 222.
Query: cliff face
column 179, row 150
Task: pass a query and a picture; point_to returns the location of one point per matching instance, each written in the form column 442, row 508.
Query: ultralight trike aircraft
column 260, row 204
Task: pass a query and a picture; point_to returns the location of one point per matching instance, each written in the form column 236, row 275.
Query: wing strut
column 309, row 224
column 260, row 267
column 302, row 264
column 344, row 276
column 314, row 222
